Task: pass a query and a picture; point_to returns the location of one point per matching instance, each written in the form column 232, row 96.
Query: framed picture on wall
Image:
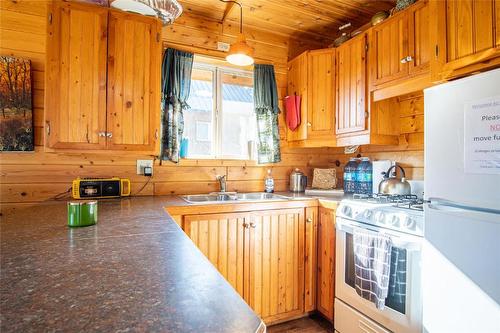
column 16, row 110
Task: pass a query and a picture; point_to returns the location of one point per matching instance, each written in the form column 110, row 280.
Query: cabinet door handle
column 309, row 220
column 309, row 124
column 403, row 60
column 109, row 135
column 156, row 134
column 409, row 58
column 252, row 225
column 245, row 225
column 102, row 134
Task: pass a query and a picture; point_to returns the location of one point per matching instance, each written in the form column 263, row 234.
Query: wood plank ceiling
column 318, row 20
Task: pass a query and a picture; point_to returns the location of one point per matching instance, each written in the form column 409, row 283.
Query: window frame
column 217, row 119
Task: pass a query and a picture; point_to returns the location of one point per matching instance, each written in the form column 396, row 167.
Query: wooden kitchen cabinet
column 134, row 63
column 221, row 239
column 465, row 36
column 351, row 86
column 312, row 76
column 103, row 79
column 268, row 255
column 276, row 264
column 399, row 47
column 75, row 100
column 326, row 262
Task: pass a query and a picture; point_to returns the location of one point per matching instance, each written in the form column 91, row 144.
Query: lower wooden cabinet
column 261, row 254
column 280, row 261
column 326, row 262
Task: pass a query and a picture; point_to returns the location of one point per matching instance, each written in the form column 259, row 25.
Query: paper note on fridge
column 482, row 136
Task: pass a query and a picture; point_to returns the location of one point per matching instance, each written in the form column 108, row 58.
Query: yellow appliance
column 84, row 188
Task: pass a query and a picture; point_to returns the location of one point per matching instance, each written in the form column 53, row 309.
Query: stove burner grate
column 410, row 201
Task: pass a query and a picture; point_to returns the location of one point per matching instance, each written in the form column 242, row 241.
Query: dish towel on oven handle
column 372, row 265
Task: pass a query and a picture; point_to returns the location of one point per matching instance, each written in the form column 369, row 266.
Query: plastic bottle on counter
column 364, row 183
column 350, row 178
column 269, row 182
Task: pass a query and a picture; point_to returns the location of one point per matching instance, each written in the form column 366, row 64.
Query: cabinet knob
column 309, row 124
column 109, row 135
column 309, row 220
column 406, row 59
column 102, row 134
column 245, row 225
column 403, row 60
column 252, row 225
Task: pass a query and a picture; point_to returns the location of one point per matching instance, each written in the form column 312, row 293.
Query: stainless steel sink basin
column 232, row 197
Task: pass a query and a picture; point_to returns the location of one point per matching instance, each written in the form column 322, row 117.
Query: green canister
column 82, row 213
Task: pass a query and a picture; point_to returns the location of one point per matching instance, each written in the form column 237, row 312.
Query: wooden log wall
column 39, row 176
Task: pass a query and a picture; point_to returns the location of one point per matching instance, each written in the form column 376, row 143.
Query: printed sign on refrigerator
column 482, row 136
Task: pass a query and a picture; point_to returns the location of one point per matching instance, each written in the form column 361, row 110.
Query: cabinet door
column 389, row 48
column 326, row 262
column 321, row 90
column 297, row 85
column 311, row 259
column 419, row 39
column 134, row 67
column 75, row 94
column 276, row 264
column 465, row 33
column 221, row 239
column 351, row 86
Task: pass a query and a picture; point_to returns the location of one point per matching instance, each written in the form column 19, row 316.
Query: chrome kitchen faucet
column 222, row 183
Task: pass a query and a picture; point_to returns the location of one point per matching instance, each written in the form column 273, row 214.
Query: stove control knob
column 368, row 214
column 395, row 220
column 409, row 223
column 380, row 217
column 347, row 210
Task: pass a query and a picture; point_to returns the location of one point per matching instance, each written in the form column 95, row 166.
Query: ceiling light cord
column 241, row 12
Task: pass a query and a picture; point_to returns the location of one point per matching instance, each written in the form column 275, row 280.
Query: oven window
column 396, row 298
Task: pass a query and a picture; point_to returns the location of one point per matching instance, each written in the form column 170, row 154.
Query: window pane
column 198, row 120
column 238, row 118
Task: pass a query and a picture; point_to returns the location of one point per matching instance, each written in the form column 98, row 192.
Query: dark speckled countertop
column 134, row 271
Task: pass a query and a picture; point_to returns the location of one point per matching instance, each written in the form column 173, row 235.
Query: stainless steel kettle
column 394, row 185
column 298, row 181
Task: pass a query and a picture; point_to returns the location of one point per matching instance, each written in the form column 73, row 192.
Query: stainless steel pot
column 394, row 185
column 298, row 181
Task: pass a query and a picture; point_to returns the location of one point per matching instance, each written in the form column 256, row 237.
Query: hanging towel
column 396, row 299
column 297, row 108
column 291, row 113
column 292, row 106
column 372, row 265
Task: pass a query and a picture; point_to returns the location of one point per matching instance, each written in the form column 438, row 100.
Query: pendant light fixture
column 240, row 53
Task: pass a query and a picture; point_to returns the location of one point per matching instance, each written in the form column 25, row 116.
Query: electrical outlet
column 141, row 164
column 221, row 46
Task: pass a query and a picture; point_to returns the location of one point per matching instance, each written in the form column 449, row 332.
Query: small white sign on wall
column 482, row 136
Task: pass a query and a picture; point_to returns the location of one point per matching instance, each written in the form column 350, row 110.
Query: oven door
column 403, row 307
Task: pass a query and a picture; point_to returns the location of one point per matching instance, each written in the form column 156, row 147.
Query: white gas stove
column 396, row 212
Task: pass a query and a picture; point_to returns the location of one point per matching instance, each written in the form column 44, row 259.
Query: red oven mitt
column 292, row 115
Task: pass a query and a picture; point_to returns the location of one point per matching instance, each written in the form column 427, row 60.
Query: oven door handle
column 402, row 240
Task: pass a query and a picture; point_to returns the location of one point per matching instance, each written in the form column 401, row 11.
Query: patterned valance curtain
column 176, row 81
column 266, row 110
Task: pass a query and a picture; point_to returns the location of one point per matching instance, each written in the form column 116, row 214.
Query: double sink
column 232, row 197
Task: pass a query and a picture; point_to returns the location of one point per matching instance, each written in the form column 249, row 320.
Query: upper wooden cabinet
column 311, row 75
column 103, row 79
column 465, row 35
column 351, row 86
column 400, row 46
column 75, row 101
column 134, row 52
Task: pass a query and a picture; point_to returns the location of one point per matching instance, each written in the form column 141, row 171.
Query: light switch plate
column 141, row 164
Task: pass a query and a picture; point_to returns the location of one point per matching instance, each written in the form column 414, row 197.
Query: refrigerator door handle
column 437, row 203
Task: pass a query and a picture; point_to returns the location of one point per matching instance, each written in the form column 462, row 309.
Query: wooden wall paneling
column 326, row 262
column 134, row 53
column 276, row 263
column 220, row 237
column 75, row 101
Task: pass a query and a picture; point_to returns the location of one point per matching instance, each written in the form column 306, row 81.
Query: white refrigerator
column 461, row 252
